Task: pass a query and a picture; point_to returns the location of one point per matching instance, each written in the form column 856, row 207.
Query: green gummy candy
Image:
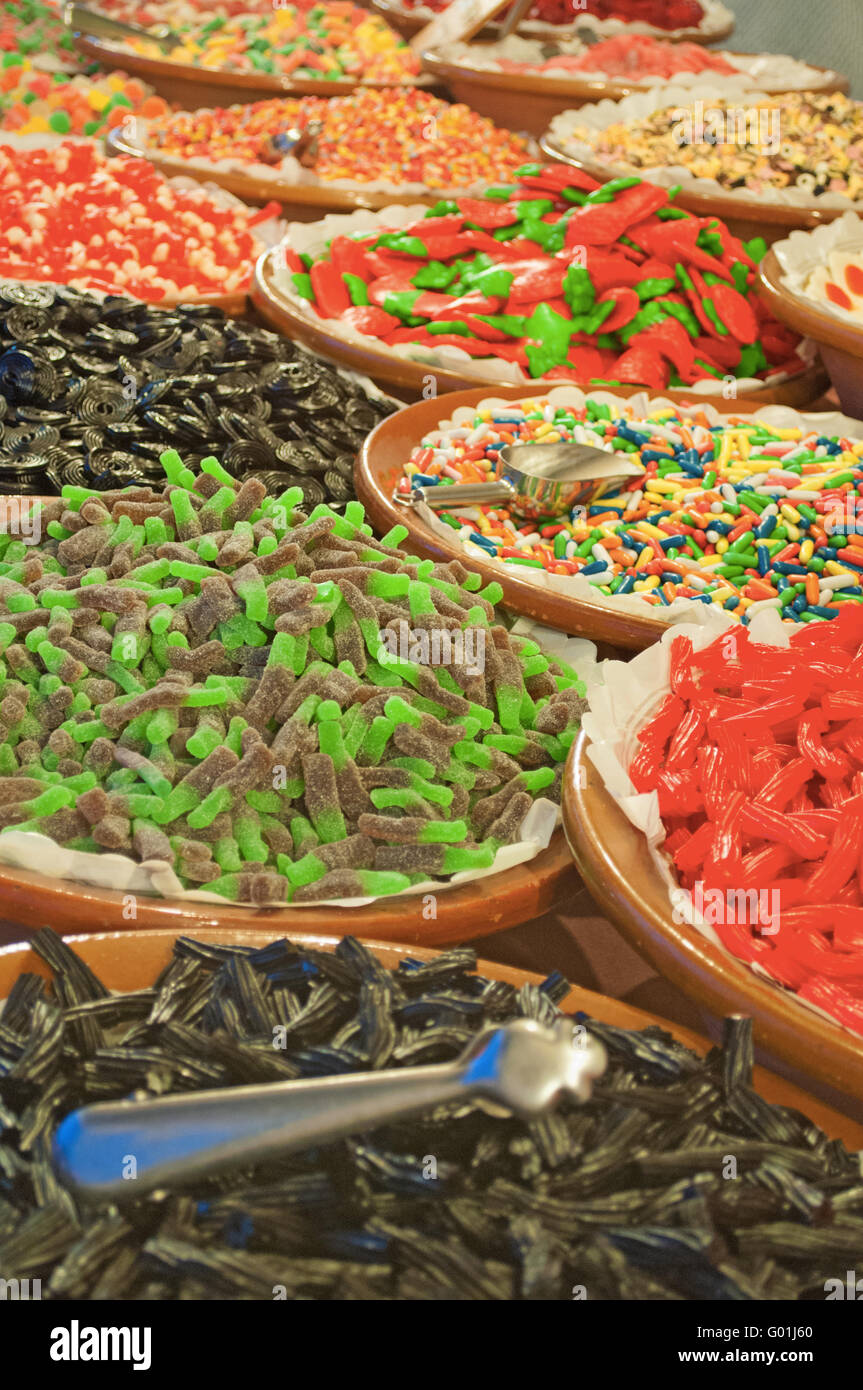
column 330, row 825
column 269, row 803
column 376, row 739
column 233, row 738
column 203, row 741
column 302, row 833
column 400, row 712
column 378, row 884
column 439, row 832
column 47, row 802
column 472, row 753
column 301, row 872
column 382, row 585
column 247, row 833
column 200, row 699
column 218, row 800
column 330, row 741
column 457, row 859
column 537, row 779
column 227, row 855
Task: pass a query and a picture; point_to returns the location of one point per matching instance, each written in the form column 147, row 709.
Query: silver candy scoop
column 83, row 21
column 535, row 480
column 124, row 1148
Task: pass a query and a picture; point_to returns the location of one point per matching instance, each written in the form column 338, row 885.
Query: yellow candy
column 806, row 551
column 790, row 513
column 721, row 545
column 98, row 100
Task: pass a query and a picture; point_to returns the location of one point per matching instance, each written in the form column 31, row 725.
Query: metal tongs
column 546, row 480
column 125, row 1148
column 83, row 21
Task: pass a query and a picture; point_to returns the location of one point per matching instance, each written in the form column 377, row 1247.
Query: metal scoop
column 83, row 21
column 124, row 1148
column 535, row 480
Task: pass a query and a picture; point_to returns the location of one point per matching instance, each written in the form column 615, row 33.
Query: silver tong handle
column 457, row 495
column 83, row 21
column 124, row 1148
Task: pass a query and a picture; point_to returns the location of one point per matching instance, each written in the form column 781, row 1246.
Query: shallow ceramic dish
column 614, row 860
column 839, row 338
column 379, row 467
column 411, row 379
column 534, row 99
column 188, row 86
column 303, row 202
column 717, row 24
column 128, row 962
column 476, row 909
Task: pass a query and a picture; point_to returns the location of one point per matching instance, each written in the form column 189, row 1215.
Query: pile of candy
column 30, row 30
column 563, row 277
column 839, row 282
column 632, row 56
column 808, row 141
column 743, row 515
column 662, row 14
column 71, row 216
column 41, row 103
column 398, row 136
column 756, row 755
column 335, row 40
column 92, row 391
column 204, row 676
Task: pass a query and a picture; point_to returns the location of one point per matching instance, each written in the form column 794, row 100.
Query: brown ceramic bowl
column 532, row 100
column 772, row 221
column 129, row 962
column 839, row 343
column 615, row 864
column 476, row 909
column 302, row 202
column 378, row 469
column 408, row 22
column 409, row 380
column 188, row 86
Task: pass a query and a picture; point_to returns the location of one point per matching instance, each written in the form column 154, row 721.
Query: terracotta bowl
column 532, row 100
column 409, row 380
column 480, row 908
column 302, row 202
column 408, row 23
column 378, row 469
column 615, row 864
column 772, row 221
column 839, row 343
column 187, row 86
column 477, row 909
column 126, row 962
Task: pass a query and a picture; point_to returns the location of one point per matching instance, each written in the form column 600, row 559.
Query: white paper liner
column 312, row 238
column 27, row 849
column 714, row 21
column 622, row 696
column 640, row 105
column 289, row 171
column 802, row 252
column 772, row 72
column 681, row 610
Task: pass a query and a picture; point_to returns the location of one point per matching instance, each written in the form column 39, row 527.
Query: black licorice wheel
column 92, row 391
